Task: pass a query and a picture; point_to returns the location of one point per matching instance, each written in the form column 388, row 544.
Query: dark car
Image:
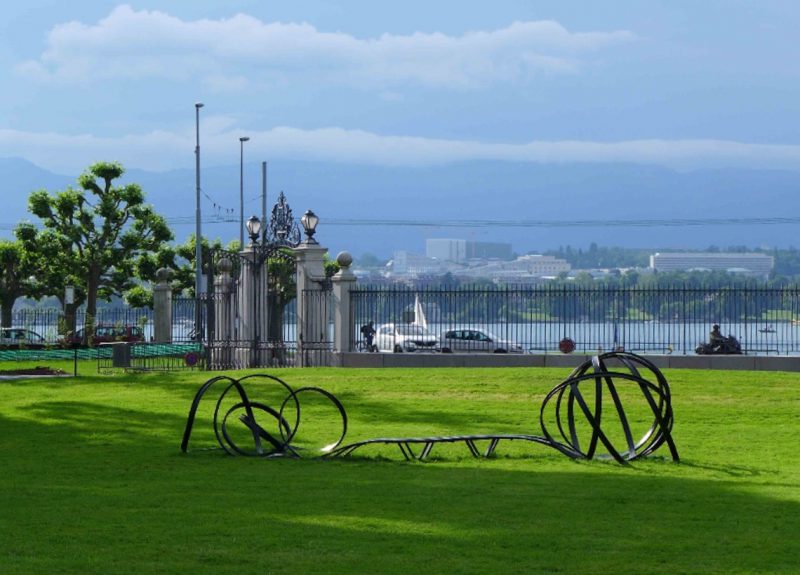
column 109, row 333
column 20, row 338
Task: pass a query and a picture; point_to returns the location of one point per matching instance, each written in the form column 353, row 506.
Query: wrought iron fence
column 232, row 354
column 150, row 357
column 540, row 318
column 184, row 319
column 50, row 323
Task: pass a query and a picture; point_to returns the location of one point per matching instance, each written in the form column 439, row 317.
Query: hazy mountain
column 19, row 178
column 484, row 192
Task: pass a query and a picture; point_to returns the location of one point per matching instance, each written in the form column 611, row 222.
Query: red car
column 109, row 333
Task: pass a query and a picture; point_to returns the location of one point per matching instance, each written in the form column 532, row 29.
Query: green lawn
column 93, row 481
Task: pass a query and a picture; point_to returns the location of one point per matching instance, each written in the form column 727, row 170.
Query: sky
column 677, row 83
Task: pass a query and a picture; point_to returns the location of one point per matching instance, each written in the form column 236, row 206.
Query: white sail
column 419, row 313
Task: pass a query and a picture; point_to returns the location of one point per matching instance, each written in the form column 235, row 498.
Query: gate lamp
column 310, row 221
column 253, row 229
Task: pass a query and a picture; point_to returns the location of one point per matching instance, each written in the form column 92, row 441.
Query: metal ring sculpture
column 279, row 435
column 591, row 387
column 573, row 397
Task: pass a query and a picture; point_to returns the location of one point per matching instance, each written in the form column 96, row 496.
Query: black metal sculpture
column 595, row 391
column 244, row 410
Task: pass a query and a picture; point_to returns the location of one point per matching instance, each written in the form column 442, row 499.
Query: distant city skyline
column 450, row 101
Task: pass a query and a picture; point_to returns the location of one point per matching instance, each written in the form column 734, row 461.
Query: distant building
column 753, row 264
column 523, row 269
column 460, row 251
column 411, row 264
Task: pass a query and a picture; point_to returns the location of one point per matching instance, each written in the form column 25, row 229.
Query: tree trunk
column 6, row 307
column 91, row 305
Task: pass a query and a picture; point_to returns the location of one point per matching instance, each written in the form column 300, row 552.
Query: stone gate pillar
column 343, row 282
column 221, row 336
column 162, row 307
column 223, row 304
column 312, row 320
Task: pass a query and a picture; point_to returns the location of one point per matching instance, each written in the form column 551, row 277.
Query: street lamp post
column 242, row 140
column 260, row 253
column 198, row 252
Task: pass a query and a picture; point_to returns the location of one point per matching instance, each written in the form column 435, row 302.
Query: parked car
column 109, row 333
column 476, row 340
column 401, row 337
column 20, row 338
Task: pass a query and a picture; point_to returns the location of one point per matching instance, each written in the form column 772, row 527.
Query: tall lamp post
column 198, row 252
column 242, row 140
column 260, row 254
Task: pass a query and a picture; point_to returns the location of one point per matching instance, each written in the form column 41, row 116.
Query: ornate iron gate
column 252, row 289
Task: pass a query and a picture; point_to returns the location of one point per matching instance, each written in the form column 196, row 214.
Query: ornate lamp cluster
column 282, row 228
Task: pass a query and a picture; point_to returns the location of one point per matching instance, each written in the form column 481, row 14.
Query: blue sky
column 683, row 84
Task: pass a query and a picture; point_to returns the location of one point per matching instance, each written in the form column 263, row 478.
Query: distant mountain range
column 371, row 209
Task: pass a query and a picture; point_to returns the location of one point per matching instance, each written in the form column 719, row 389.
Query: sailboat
column 419, row 314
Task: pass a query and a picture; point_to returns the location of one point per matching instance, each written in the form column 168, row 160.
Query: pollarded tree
column 105, row 230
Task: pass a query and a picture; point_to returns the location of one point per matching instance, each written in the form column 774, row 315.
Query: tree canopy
column 16, row 272
column 103, row 233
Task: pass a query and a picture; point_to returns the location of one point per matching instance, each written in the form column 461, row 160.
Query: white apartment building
column 754, row 264
column 524, row 268
column 411, row 264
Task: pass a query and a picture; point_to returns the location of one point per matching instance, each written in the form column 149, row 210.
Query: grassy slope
column 93, row 482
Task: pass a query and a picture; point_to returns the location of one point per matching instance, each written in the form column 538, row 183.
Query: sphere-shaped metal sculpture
column 616, row 401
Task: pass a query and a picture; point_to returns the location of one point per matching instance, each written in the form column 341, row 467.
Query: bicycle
column 363, row 347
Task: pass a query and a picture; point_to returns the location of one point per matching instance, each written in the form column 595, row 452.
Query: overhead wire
column 671, row 222
column 229, row 216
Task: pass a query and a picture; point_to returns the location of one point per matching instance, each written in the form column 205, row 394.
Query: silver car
column 476, row 341
column 400, row 338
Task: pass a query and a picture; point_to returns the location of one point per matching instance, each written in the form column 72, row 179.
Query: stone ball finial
column 225, row 265
column 164, row 274
column 344, row 259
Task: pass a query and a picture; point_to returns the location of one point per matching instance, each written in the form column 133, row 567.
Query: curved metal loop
column 280, row 441
column 333, row 399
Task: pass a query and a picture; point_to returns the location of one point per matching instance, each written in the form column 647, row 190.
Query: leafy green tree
column 51, row 259
column 184, row 279
column 105, row 230
column 16, row 267
column 179, row 259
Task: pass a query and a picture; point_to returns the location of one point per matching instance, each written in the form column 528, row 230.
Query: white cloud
column 162, row 150
column 152, row 44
